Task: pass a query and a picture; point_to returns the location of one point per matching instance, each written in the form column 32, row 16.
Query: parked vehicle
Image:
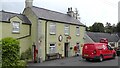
column 98, row 51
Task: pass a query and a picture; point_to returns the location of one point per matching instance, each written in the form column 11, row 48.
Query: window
column 66, row 29
column 77, row 31
column 52, row 48
column 16, row 27
column 108, row 46
column 52, row 28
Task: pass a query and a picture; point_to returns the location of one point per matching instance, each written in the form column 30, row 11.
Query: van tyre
column 101, row 58
column 87, row 59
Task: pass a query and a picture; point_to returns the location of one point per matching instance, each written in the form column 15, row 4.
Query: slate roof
column 55, row 16
column 96, row 36
column 5, row 16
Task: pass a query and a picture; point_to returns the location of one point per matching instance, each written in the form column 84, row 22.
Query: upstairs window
column 52, row 28
column 66, row 29
column 77, row 31
column 16, row 27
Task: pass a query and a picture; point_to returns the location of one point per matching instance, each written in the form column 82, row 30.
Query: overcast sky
column 90, row 10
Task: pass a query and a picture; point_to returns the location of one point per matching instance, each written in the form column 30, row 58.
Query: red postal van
column 98, row 51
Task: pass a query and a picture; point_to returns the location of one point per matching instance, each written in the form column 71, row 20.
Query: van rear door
column 88, row 49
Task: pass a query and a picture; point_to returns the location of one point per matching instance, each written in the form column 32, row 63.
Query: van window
column 109, row 47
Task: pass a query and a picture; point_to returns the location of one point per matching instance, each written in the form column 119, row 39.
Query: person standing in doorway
column 75, row 50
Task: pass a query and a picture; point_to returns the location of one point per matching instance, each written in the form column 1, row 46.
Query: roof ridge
column 16, row 14
column 8, row 12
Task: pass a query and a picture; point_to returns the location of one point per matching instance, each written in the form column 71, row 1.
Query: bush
column 10, row 52
column 21, row 64
column 26, row 55
column 0, row 54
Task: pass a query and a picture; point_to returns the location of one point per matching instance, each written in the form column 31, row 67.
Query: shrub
column 0, row 54
column 21, row 64
column 27, row 54
column 10, row 52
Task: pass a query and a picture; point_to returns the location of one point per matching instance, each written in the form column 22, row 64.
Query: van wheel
column 101, row 58
column 87, row 59
column 114, row 56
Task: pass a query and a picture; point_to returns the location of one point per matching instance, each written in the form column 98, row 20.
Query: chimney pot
column 70, row 12
column 29, row 3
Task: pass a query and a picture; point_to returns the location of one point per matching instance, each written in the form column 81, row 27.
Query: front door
column 66, row 50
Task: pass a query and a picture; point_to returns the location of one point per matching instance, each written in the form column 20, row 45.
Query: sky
column 90, row 11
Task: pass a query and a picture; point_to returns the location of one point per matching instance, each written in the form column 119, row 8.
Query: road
column 77, row 61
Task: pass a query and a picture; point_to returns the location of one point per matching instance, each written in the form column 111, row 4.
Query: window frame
column 77, row 29
column 14, row 23
column 52, row 28
column 66, row 29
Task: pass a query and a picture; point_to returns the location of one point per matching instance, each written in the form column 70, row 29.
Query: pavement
column 76, row 61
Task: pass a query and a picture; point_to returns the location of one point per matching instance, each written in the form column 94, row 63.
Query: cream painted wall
column 54, row 38
column 60, row 31
column 0, row 30
column 34, row 20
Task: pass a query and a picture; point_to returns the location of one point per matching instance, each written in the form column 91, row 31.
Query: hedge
column 10, row 52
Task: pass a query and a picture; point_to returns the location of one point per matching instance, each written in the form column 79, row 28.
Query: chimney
column 28, row 3
column 70, row 12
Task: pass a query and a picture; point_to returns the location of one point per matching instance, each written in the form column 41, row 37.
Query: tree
column 110, row 28
column 97, row 27
column 118, row 27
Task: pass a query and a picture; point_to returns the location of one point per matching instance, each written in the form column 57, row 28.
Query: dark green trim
column 23, row 37
column 26, row 23
column 5, row 21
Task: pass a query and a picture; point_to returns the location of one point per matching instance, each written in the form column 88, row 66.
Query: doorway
column 66, row 49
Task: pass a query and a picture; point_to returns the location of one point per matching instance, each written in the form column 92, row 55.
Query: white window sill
column 52, row 33
column 15, row 32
